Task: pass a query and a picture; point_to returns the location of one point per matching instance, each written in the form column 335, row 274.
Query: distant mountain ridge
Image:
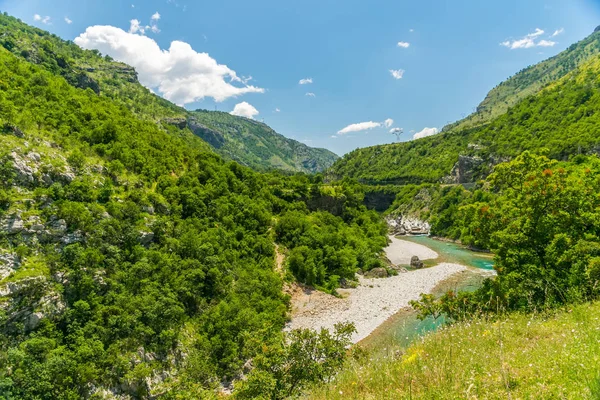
column 246, row 141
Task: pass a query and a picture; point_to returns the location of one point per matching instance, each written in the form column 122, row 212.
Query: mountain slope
column 134, row 261
column 256, row 145
column 563, row 118
column 248, row 142
column 531, row 80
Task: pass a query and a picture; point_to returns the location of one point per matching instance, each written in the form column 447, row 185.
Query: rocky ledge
column 404, row 225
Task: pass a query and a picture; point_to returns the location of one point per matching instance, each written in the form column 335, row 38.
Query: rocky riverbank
column 374, row 300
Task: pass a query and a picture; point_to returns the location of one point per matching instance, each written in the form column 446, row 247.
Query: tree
column 303, row 357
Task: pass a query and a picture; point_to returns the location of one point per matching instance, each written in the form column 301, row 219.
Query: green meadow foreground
column 520, row 357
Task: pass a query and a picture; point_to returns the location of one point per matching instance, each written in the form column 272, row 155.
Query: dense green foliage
column 162, row 280
column 563, row 118
column 301, row 358
column 330, row 243
column 542, row 221
column 249, row 142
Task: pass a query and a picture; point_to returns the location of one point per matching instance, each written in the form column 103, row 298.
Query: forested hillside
column 531, row 80
column 561, row 120
column 133, row 260
column 256, row 145
column 235, row 138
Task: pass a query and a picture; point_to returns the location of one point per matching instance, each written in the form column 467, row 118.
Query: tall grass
column 519, row 357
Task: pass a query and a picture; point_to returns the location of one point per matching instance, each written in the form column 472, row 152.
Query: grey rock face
column 146, row 238
column 403, row 225
column 181, row 123
column 12, row 224
column 464, row 170
column 24, row 174
column 75, row 237
column 9, row 262
column 212, row 137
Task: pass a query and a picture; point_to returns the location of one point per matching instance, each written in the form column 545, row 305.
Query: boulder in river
column 416, row 263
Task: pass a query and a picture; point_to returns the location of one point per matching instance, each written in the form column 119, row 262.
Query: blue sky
column 455, row 55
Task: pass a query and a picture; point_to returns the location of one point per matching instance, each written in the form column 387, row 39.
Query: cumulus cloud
column 361, row 126
column 397, row 73
column 244, row 109
column 396, row 130
column 426, row 132
column 277, row 110
column 404, row 45
column 558, row 32
column 310, row 94
column 68, row 21
column 155, row 16
column 305, row 81
column 43, row 20
column 179, row 74
column 529, row 41
column 388, row 123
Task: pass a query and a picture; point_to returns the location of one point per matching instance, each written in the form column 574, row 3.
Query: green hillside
column 134, row 261
column 531, row 80
column 563, row 119
column 255, row 144
column 235, row 138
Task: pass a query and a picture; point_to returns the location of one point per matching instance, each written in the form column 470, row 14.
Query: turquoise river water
column 404, row 327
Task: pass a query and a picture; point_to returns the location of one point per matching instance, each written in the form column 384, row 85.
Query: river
column 404, row 327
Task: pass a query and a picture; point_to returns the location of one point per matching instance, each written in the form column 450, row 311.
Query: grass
column 32, row 266
column 519, row 357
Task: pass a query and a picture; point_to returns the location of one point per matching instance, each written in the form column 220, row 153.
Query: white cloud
column 277, row 110
column 396, row 130
column 546, row 43
column 68, row 21
column 528, row 41
column 411, row 30
column 305, row 81
column 155, row 16
column 244, row 109
column 134, row 27
column 536, row 33
column 404, row 45
column 361, row 126
column 310, row 94
column 179, row 74
column 426, row 132
column 388, row 123
column 558, row 32
column 397, row 73
column 44, row 20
